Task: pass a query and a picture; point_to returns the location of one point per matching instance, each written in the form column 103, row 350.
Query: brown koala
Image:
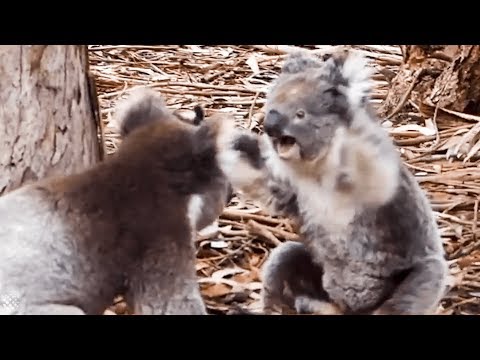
column 69, row 244
column 326, row 162
column 194, row 117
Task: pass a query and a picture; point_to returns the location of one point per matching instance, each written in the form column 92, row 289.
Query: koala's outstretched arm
column 420, row 292
column 245, row 161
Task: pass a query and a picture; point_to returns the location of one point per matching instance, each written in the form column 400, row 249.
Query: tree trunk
column 49, row 119
column 443, row 76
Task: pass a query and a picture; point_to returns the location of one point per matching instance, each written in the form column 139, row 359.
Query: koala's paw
column 306, row 305
column 249, row 148
column 344, row 182
column 283, row 200
column 386, row 309
column 240, row 160
column 381, row 312
column 238, row 310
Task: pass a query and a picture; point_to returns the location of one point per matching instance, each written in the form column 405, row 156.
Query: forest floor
column 235, row 79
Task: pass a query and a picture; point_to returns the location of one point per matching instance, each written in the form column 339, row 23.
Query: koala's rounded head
column 141, row 107
column 311, row 100
column 144, row 106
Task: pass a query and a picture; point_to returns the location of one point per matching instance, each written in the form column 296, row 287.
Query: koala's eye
column 300, row 114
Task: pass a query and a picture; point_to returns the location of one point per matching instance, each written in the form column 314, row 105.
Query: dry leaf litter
column 235, row 79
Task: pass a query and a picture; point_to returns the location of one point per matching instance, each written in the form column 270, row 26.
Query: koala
column 369, row 240
column 194, row 117
column 69, row 244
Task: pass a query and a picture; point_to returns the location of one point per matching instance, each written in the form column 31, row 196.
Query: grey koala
column 325, row 162
column 69, row 244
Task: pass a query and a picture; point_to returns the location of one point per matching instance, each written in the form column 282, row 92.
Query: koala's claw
column 344, row 182
column 250, row 149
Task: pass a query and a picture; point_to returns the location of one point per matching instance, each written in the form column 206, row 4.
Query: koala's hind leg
column 50, row 309
column 420, row 292
column 155, row 300
column 292, row 282
column 308, row 305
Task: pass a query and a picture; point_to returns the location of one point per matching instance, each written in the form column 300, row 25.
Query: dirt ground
column 235, row 79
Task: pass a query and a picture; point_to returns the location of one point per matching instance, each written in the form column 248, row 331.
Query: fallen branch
column 406, row 96
column 414, row 141
column 252, row 225
column 263, row 231
column 288, row 49
column 243, row 216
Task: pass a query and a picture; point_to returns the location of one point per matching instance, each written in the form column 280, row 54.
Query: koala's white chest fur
column 320, row 205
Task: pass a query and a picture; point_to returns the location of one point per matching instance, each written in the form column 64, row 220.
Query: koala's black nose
column 274, row 123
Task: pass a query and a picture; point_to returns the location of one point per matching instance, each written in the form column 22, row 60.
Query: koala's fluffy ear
column 143, row 106
column 350, row 74
column 299, row 62
column 194, row 117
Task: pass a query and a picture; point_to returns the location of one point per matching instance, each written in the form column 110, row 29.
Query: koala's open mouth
column 285, row 146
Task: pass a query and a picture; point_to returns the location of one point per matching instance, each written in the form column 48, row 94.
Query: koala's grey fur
column 69, row 244
column 292, row 280
column 326, row 162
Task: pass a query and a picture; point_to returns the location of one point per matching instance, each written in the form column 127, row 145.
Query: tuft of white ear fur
column 358, row 74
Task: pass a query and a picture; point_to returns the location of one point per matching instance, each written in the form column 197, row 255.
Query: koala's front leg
column 164, row 281
column 420, row 292
column 187, row 301
column 157, row 297
column 246, row 162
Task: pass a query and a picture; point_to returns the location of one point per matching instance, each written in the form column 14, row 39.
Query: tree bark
column 430, row 76
column 49, row 118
